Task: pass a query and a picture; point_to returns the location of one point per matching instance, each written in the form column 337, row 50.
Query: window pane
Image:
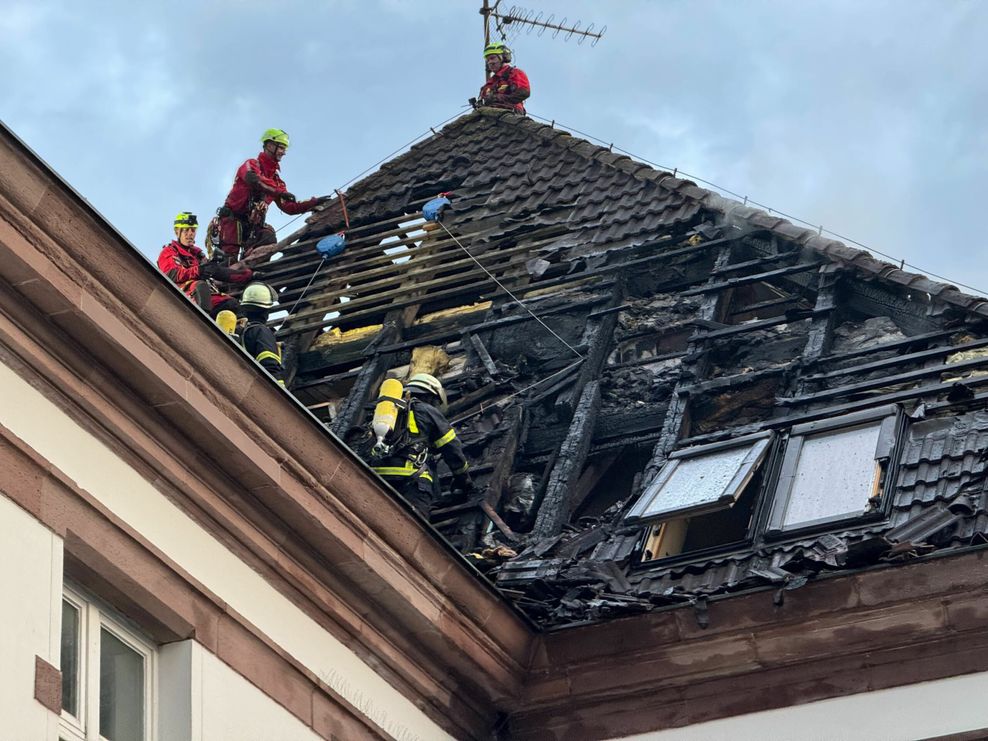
column 835, row 475
column 70, row 658
column 121, row 690
column 703, row 482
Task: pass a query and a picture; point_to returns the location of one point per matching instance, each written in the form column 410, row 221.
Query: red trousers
column 238, row 237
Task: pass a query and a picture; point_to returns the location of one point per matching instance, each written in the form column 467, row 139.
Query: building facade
column 753, row 506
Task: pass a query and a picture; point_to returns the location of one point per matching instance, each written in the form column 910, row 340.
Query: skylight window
column 833, row 469
column 702, row 479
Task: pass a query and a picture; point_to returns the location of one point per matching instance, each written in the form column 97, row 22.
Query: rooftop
column 593, row 316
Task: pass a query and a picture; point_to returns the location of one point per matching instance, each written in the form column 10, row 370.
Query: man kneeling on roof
column 240, row 227
column 187, row 267
column 506, row 87
column 421, row 432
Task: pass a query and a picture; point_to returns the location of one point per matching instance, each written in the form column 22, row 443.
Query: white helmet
column 431, row 384
column 259, row 294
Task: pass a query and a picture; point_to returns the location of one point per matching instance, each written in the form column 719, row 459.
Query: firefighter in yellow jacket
column 424, row 433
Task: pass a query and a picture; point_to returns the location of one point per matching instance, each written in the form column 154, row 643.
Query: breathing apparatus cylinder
column 386, row 412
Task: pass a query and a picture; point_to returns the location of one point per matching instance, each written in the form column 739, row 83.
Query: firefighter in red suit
column 186, row 266
column 240, row 225
column 506, row 87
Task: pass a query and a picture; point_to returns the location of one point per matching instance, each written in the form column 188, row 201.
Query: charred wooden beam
column 821, row 328
column 792, row 316
column 500, row 524
column 483, row 355
column 872, row 299
column 878, row 383
column 646, row 361
column 756, row 278
column 561, row 381
column 599, row 338
column 910, row 341
column 591, row 476
column 503, row 453
column 767, row 304
column 901, row 360
column 758, row 262
column 473, row 398
column 555, row 508
column 693, row 368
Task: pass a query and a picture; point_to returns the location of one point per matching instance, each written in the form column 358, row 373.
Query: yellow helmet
column 429, row 383
column 186, row 220
column 277, row 136
column 499, row 48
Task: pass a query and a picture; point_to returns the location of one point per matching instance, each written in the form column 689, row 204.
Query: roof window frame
column 761, row 451
column 781, row 481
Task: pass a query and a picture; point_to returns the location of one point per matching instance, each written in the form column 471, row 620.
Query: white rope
column 301, row 295
column 505, row 289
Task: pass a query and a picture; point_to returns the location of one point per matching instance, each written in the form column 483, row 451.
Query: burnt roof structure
column 600, row 320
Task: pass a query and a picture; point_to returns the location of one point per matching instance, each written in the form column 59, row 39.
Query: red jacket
column 266, row 169
column 180, row 264
column 506, row 88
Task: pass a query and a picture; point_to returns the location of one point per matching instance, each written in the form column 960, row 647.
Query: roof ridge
column 834, row 249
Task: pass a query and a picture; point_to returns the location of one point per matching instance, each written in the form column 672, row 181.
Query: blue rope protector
column 433, row 210
column 331, row 246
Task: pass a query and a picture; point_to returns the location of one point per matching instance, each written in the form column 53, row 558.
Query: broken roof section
column 679, row 319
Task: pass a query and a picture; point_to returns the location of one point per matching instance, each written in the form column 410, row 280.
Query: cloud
column 866, row 117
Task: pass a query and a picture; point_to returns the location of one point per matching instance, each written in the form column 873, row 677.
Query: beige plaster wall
column 31, row 585
column 95, row 468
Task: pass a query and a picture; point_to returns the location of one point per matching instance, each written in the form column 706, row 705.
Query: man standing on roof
column 506, row 87
column 408, row 466
column 256, row 336
column 186, row 266
column 240, row 225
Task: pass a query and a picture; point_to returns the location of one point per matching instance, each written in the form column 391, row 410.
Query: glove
column 474, row 104
column 243, row 275
column 208, row 269
column 286, row 196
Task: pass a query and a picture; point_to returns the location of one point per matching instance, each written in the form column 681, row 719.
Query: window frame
column 783, row 478
column 761, row 449
column 95, row 616
column 767, row 466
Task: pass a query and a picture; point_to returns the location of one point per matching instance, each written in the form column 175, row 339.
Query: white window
column 108, row 674
column 833, row 469
column 701, row 479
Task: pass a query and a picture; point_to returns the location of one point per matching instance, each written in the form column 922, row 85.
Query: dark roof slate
column 535, row 164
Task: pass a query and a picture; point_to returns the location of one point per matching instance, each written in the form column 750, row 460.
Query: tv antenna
column 518, row 19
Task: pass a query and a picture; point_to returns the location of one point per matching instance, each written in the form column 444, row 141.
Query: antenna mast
column 529, row 20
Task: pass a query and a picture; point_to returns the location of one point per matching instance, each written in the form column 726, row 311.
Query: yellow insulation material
column 336, row 337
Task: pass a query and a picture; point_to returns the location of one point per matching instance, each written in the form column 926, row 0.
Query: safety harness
column 409, row 444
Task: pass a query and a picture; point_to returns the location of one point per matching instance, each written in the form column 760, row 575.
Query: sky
column 864, row 116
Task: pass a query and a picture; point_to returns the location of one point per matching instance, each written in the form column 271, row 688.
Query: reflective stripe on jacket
column 428, row 432
column 260, row 342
